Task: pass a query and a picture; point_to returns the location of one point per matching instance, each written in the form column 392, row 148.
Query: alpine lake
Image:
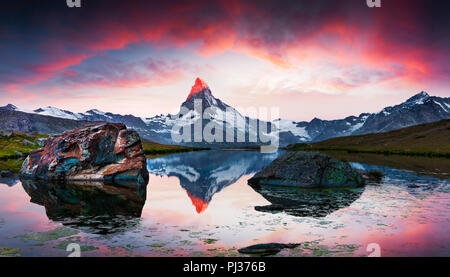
column 199, row 204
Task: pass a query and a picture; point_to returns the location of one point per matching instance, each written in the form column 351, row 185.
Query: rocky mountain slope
column 421, row 108
column 18, row 121
column 429, row 139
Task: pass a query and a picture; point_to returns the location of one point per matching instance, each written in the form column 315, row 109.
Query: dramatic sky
column 326, row 59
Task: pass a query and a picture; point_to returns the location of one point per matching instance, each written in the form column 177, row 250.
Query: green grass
column 154, row 149
column 12, row 165
column 431, row 139
column 9, row 158
column 9, row 145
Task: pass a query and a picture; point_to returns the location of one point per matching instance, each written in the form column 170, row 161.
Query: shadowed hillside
column 431, row 139
column 153, row 149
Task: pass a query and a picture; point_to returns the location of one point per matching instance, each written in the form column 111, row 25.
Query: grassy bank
column 14, row 148
column 431, row 140
column 153, row 149
column 18, row 144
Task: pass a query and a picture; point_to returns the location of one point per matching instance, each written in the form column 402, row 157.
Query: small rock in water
column 270, row 208
column 266, row 249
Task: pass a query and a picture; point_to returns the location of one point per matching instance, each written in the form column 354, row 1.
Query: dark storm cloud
column 42, row 38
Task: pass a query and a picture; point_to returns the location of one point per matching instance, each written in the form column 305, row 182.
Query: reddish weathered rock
column 100, row 152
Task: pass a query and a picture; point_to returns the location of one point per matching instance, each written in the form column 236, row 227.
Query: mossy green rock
column 308, row 170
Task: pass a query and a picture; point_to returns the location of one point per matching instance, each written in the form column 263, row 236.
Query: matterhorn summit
column 201, row 91
column 198, row 87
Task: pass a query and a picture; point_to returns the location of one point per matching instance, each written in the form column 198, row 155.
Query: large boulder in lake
column 308, row 170
column 99, row 152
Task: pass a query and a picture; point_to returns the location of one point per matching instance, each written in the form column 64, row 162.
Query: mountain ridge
column 427, row 139
column 418, row 109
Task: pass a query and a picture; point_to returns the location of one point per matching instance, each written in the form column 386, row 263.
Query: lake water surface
column 199, row 204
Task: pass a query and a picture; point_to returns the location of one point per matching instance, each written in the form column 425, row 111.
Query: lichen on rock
column 99, row 152
column 308, row 170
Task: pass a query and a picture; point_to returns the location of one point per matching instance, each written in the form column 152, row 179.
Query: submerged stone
column 9, row 252
column 50, row 235
column 266, row 249
column 308, row 170
column 99, row 152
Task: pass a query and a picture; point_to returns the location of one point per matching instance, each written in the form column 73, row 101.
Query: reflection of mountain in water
column 94, row 205
column 202, row 174
column 306, row 202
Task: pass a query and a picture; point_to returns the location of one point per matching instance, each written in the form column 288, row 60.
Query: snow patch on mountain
column 95, row 111
column 55, row 112
column 356, row 127
column 11, row 107
column 291, row 126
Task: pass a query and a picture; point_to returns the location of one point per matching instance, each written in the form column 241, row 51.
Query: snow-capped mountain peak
column 419, row 98
column 9, row 107
column 199, row 86
column 95, row 112
column 201, row 91
column 55, row 112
